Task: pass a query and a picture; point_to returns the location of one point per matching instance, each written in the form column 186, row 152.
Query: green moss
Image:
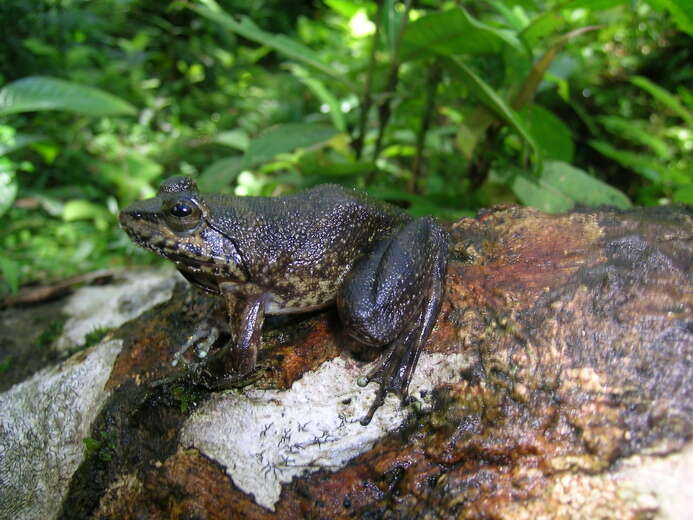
column 52, row 332
column 95, row 336
column 103, row 447
column 6, row 364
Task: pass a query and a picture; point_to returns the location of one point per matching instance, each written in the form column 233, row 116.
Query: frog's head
column 178, row 224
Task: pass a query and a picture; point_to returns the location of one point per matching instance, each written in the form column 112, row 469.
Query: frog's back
column 301, row 229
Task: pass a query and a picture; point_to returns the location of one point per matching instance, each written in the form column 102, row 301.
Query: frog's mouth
column 172, row 249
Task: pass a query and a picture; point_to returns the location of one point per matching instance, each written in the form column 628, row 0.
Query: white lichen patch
column 43, row 423
column 659, row 483
column 266, row 437
column 109, row 306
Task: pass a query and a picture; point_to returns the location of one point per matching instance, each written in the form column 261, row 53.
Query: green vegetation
column 104, row 447
column 53, row 331
column 95, row 336
column 6, row 364
column 445, row 107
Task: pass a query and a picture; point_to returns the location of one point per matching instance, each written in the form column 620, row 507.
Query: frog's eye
column 181, row 209
column 182, row 215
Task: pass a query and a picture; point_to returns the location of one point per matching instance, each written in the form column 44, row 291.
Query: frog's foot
column 393, row 373
column 202, row 339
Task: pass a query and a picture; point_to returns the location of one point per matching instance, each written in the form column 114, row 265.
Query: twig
column 32, row 295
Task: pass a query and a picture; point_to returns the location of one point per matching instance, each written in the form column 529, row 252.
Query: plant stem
column 385, row 104
column 434, row 75
column 367, row 99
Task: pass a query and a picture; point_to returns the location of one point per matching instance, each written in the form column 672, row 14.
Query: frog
column 383, row 269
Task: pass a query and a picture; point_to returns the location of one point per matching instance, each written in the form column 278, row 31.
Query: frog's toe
column 394, row 372
column 202, row 339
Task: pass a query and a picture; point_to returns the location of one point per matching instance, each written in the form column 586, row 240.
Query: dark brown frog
column 327, row 245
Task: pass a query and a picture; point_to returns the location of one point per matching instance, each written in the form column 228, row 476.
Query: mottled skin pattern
column 384, row 270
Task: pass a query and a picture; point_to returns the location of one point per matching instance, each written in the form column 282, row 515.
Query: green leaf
column 322, row 167
column 78, row 209
column 36, row 93
column 637, row 132
column 561, row 186
column 551, row 135
column 551, row 20
column 279, row 42
column 132, row 174
column 219, row 175
column 286, row 138
column 490, row 99
column 451, row 33
column 343, row 7
column 543, row 25
column 467, row 138
column 234, row 138
column 514, row 16
column 16, row 141
column 664, row 97
column 592, row 5
column 681, row 11
column 11, row 272
column 683, row 194
column 391, row 22
column 325, row 96
column 639, row 163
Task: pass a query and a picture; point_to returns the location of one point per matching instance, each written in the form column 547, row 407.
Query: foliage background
column 442, row 107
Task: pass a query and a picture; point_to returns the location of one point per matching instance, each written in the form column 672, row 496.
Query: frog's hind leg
column 392, row 297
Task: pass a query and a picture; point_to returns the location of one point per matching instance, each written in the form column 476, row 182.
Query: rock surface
column 557, row 382
column 45, row 419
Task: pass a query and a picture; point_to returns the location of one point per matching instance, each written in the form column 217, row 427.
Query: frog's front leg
column 392, row 297
column 246, row 317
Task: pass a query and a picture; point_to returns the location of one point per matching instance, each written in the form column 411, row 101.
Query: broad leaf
column 543, row 25
column 550, row 133
column 286, row 138
column 234, row 138
column 36, row 93
column 219, row 175
column 279, row 42
column 515, row 16
column 452, row 33
column 561, row 186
